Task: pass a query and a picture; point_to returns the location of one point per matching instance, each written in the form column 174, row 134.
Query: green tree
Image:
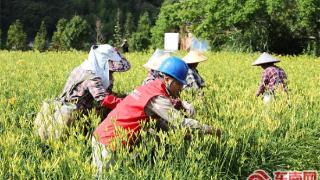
column 140, row 40
column 76, row 34
column 57, row 42
column 32, row 12
column 107, row 11
column 281, row 26
column 99, row 35
column 129, row 25
column 0, row 38
column 117, row 35
column 40, row 39
column 17, row 38
column 169, row 19
column 308, row 18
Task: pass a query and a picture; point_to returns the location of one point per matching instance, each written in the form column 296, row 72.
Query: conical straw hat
column 194, row 57
column 156, row 59
column 265, row 58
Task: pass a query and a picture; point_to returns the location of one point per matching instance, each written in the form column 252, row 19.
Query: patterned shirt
column 193, row 79
column 152, row 75
column 85, row 89
column 271, row 77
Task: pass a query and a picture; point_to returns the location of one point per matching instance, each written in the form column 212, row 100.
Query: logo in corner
column 259, row 175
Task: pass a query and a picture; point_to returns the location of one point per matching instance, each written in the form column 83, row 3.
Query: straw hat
column 194, row 57
column 156, row 59
column 265, row 58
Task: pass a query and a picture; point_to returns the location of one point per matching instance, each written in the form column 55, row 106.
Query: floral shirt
column 271, row 77
column 152, row 75
column 85, row 89
column 194, row 80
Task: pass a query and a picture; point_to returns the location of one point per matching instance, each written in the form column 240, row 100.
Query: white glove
column 189, row 108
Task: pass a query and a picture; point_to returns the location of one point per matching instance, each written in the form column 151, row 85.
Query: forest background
column 279, row 26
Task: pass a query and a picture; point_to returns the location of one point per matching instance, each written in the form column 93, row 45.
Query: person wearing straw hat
column 194, row 80
column 153, row 65
column 272, row 76
column 88, row 86
column 152, row 100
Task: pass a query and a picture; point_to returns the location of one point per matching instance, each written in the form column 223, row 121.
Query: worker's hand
column 189, row 108
column 212, row 131
column 188, row 136
column 258, row 93
column 201, row 93
column 177, row 104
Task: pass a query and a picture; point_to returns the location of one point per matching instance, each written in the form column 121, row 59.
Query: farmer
column 150, row 100
column 153, row 65
column 92, row 81
column 273, row 77
column 89, row 85
column 194, row 80
column 125, row 46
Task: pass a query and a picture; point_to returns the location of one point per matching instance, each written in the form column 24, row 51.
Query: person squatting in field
column 193, row 58
column 88, row 86
column 194, row 80
column 152, row 100
column 153, row 65
column 125, row 46
column 92, row 81
column 273, row 77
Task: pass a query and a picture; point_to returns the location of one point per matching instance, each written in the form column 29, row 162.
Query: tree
column 309, row 15
column 140, row 40
column 169, row 19
column 40, row 39
column 117, row 35
column 32, row 12
column 280, row 26
column 107, row 12
column 128, row 26
column 99, row 34
column 57, row 38
column 17, row 38
column 0, row 38
column 76, row 34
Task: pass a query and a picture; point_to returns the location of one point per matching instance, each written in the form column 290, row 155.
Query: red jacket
column 129, row 112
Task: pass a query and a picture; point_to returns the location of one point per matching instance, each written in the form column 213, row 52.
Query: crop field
column 282, row 135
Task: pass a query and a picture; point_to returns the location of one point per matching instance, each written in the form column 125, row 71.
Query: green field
column 284, row 135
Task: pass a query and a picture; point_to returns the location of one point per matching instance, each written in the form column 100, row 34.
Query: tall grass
column 284, row 135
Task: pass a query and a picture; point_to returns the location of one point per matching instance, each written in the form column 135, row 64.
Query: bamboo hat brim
column 264, row 58
column 194, row 57
column 156, row 59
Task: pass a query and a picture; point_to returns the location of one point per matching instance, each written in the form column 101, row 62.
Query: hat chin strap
column 168, row 85
column 162, row 76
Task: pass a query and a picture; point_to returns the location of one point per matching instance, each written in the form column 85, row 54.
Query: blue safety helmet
column 176, row 68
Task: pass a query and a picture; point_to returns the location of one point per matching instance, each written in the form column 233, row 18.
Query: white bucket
column 267, row 98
